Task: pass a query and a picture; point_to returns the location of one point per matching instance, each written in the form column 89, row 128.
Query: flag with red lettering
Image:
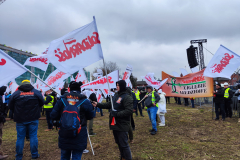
column 126, row 76
column 101, row 83
column 9, row 68
column 150, row 80
column 77, row 49
column 56, row 77
column 99, row 96
column 81, row 76
column 40, row 62
column 223, row 63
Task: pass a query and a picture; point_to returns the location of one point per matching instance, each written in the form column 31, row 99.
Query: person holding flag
column 151, row 102
column 120, row 117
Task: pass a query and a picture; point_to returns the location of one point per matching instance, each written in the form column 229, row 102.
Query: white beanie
column 160, row 91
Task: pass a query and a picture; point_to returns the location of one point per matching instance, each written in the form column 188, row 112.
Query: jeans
column 192, row 101
column 152, row 113
column 49, row 120
column 66, row 154
column 221, row 106
column 121, row 138
column 21, row 134
column 138, row 107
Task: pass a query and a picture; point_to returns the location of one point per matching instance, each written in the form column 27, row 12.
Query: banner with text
column 191, row 85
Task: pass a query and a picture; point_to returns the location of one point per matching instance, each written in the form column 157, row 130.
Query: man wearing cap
column 151, row 102
column 74, row 145
column 119, row 119
column 228, row 94
column 26, row 105
column 137, row 105
column 218, row 99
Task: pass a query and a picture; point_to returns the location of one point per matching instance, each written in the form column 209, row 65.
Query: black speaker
column 192, row 60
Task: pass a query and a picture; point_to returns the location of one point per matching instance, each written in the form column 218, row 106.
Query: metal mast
column 200, row 53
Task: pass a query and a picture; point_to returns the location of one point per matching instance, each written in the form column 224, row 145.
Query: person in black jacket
column 219, row 101
column 3, row 114
column 228, row 94
column 77, row 144
column 119, row 119
column 26, row 105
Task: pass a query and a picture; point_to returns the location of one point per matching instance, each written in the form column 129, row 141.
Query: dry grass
column 189, row 134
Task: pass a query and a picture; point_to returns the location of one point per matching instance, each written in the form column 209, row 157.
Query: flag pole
column 42, row 81
column 105, row 68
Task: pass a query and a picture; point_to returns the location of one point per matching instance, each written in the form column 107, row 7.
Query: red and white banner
column 9, row 68
column 77, row 49
column 223, row 63
column 60, row 87
column 102, row 82
column 81, row 76
column 40, row 62
column 56, row 78
column 149, row 78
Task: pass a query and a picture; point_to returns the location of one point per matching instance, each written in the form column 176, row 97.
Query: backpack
column 70, row 125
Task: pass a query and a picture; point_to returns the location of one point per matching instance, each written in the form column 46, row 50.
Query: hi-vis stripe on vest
column 137, row 95
column 154, row 99
column 226, row 94
column 50, row 104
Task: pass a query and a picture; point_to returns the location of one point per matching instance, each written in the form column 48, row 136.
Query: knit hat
column 74, row 86
column 148, row 86
column 122, row 85
column 218, row 84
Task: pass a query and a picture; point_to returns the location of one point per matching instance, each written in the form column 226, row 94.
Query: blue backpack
column 70, row 125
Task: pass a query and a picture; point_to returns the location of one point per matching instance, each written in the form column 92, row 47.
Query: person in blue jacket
column 26, row 105
column 76, row 145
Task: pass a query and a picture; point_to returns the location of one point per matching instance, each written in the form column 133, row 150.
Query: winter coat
column 219, row 96
column 86, row 113
column 229, row 99
column 162, row 104
column 26, row 104
column 123, row 103
column 148, row 100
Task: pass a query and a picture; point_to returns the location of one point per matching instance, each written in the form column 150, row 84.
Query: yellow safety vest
column 50, row 104
column 137, row 95
column 153, row 98
column 226, row 94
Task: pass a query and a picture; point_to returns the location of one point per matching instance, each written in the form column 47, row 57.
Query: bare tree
column 110, row 67
column 133, row 80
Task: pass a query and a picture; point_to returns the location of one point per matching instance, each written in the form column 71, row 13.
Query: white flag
column 9, row 68
column 81, row 76
column 40, row 62
column 99, row 74
column 56, row 77
column 77, row 49
column 99, row 96
column 127, row 74
column 149, row 78
column 102, row 82
column 223, row 63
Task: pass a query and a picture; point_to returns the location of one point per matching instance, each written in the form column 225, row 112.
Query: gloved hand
column 114, row 113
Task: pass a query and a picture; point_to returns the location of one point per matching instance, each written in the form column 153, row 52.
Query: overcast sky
column 151, row 35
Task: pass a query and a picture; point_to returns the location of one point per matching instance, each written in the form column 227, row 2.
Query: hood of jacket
column 25, row 87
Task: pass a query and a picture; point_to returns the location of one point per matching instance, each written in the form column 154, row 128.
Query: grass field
column 188, row 134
